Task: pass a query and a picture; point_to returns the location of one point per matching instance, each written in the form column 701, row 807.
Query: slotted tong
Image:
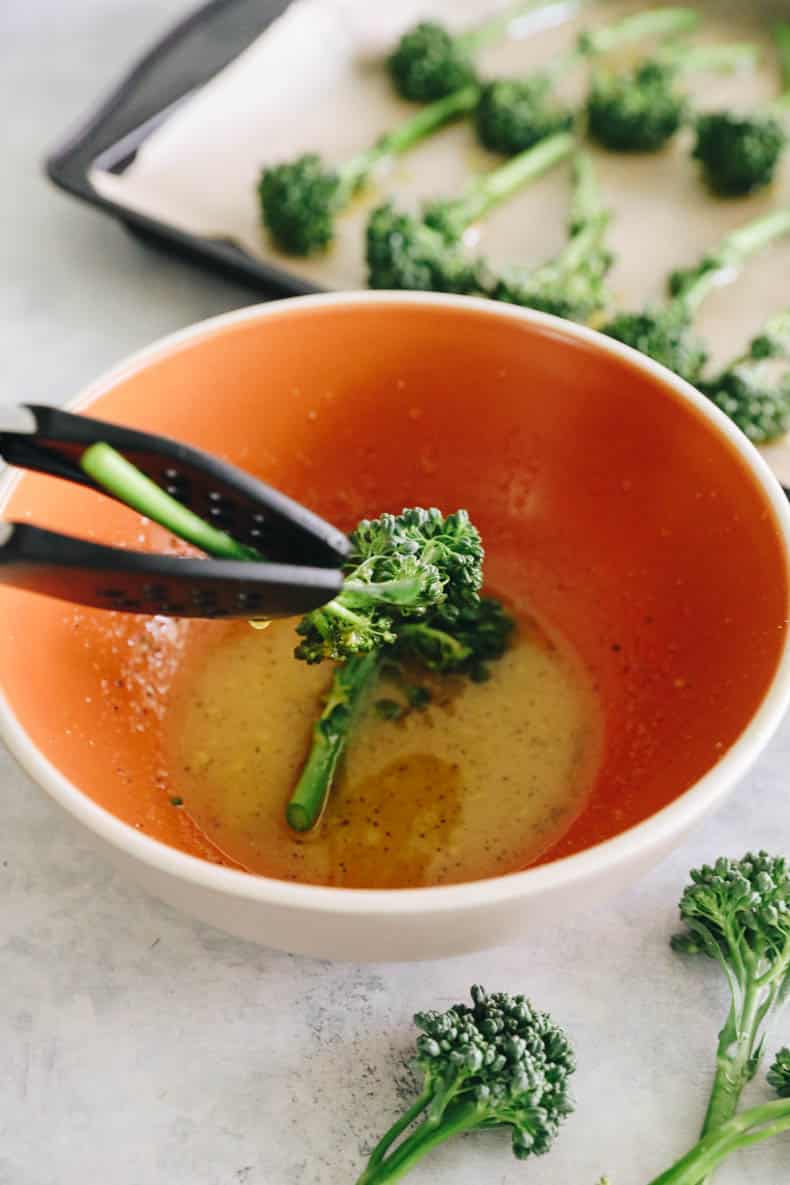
column 302, row 554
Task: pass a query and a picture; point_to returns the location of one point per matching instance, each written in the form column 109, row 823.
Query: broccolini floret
column 408, row 252
column 411, row 590
column 738, row 913
column 497, row 1064
column 401, row 568
column 401, row 252
column 640, row 110
column 739, row 153
column 301, row 199
column 429, row 62
column 573, row 284
column 665, row 333
column 515, row 113
column 750, row 391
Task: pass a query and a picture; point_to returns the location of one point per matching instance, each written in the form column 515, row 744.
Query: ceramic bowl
column 618, row 502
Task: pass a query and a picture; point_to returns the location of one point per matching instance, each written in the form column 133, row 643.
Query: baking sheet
column 313, row 81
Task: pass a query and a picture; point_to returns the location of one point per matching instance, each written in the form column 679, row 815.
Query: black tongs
column 303, row 553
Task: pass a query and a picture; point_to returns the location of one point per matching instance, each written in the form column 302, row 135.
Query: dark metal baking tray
column 184, row 59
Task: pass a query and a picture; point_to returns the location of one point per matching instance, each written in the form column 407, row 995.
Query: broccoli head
column 463, row 642
column 665, row 335
column 638, row 111
column 738, row 913
column 298, row 201
column 757, row 403
column 428, row 63
column 738, row 153
column 515, row 114
column 779, row 1073
column 497, row 1064
column 401, row 567
column 402, row 252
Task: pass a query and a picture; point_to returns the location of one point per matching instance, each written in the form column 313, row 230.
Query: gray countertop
column 142, row 1049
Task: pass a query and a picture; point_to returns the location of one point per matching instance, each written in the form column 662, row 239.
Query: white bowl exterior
column 415, row 924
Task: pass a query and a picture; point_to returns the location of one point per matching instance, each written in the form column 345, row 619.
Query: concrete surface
column 140, row 1049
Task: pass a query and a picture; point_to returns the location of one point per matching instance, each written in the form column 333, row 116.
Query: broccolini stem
column 584, row 241
column 743, row 243
column 743, row 1131
column 498, row 25
column 463, row 1117
column 350, row 684
column 487, row 191
column 587, row 200
column 652, row 22
column 358, row 593
column 124, row 481
column 732, row 254
column 740, row 55
column 782, row 38
column 734, row 1065
column 397, row 1129
column 403, row 137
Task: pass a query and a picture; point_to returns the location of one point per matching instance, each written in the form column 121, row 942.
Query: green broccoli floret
column 739, row 153
column 640, row 110
column 400, row 568
column 515, row 113
column 665, row 333
column 463, row 642
column 300, row 199
column 429, row 62
column 779, row 1074
column 423, row 254
column 749, row 1128
column 497, row 1064
column 412, row 589
column 403, row 253
column 738, row 913
column 573, row 284
column 750, row 391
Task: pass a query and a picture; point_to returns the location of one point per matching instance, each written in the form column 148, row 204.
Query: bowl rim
column 622, row 849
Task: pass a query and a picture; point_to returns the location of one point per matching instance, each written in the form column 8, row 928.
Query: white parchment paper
column 313, row 81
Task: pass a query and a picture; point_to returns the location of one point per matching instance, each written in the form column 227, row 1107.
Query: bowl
column 632, row 515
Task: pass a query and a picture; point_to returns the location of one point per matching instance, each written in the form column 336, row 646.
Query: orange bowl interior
column 607, row 504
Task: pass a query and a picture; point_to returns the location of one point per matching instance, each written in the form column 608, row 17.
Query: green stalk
column 397, row 1129
column 732, row 254
column 657, row 23
column 779, row 107
column 743, row 1131
column 582, row 243
column 587, row 201
column 497, row 26
column 463, row 1117
column 350, row 685
column 404, row 137
column 124, row 481
column 734, row 1061
column 782, row 39
column 485, row 192
column 724, row 59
